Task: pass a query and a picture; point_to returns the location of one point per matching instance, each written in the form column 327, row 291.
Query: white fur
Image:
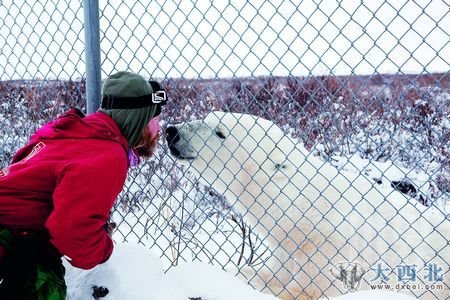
column 312, row 215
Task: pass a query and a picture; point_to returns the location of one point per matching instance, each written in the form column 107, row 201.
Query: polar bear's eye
column 220, row 134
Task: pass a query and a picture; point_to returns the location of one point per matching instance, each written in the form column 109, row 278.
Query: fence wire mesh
column 347, row 186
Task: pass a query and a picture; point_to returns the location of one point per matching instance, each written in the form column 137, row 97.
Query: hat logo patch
column 159, row 97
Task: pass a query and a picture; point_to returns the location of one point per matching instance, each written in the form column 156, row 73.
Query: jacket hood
column 75, row 125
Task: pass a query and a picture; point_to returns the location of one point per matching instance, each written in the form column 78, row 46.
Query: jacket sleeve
column 84, row 195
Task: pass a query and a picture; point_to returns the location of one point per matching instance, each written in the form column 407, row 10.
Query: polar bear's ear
column 280, row 166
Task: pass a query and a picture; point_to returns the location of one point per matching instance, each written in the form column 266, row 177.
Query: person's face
column 149, row 138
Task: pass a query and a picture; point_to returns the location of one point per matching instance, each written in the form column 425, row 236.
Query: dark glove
column 110, row 227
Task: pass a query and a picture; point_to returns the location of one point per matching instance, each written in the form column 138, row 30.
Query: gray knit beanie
column 124, row 90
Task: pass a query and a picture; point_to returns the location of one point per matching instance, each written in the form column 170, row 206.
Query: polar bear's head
column 240, row 155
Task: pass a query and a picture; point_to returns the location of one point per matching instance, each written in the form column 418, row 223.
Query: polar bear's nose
column 172, row 137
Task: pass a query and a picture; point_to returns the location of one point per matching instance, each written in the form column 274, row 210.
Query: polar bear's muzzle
column 177, row 147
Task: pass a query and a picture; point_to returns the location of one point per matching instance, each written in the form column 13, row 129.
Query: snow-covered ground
column 134, row 272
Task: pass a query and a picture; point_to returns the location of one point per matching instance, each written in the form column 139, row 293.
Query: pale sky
column 215, row 38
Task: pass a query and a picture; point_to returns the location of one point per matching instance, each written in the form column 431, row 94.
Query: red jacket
column 66, row 181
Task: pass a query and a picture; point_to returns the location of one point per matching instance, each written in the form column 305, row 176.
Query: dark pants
column 30, row 268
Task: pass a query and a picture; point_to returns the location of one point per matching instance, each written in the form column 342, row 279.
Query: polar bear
column 312, row 216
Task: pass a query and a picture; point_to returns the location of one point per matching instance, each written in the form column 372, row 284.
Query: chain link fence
column 362, row 86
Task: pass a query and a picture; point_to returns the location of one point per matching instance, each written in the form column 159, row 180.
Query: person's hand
column 110, row 227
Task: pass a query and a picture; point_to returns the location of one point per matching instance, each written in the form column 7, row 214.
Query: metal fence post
column 92, row 37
